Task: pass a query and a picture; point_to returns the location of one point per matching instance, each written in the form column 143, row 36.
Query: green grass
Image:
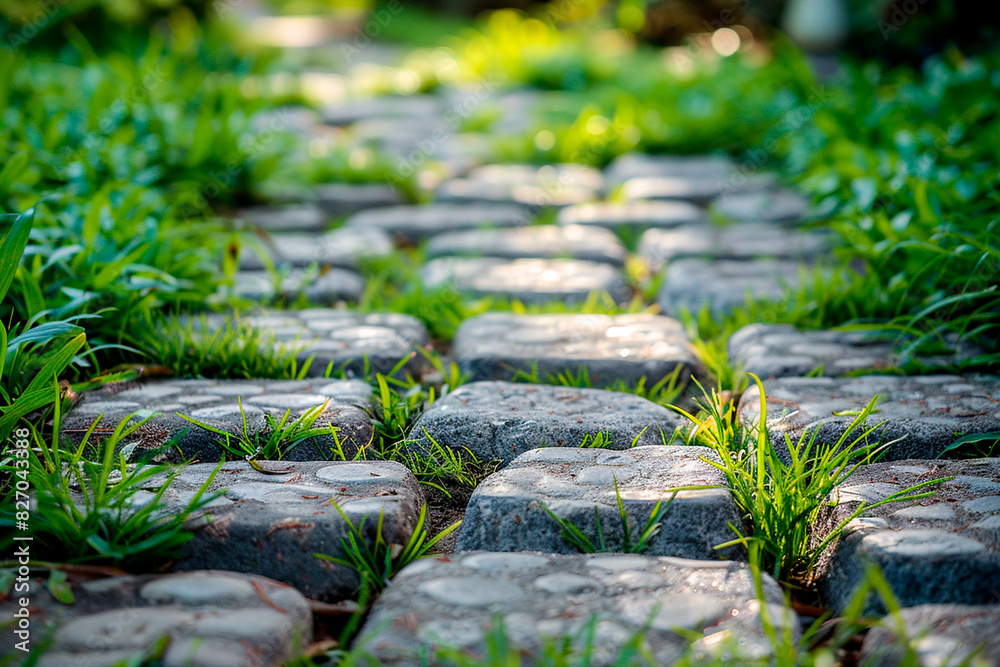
column 664, row 391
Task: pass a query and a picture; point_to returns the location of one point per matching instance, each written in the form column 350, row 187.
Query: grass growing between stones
column 664, row 391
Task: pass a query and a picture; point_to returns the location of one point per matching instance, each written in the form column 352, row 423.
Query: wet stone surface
column 341, row 248
column 325, row 287
column 781, row 350
column 939, row 634
column 724, row 285
column 936, row 550
column 526, row 280
column 633, row 215
column 769, row 206
column 924, row 413
column 507, row 510
column 292, row 218
column 497, row 421
column 452, row 602
column 273, row 524
column 742, row 241
column 216, row 402
column 211, row 619
column 539, row 241
column 495, row 346
column 416, row 223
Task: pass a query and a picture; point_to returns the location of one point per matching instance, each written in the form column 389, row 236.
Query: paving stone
column 341, row 340
column 941, row 635
column 341, row 247
column 537, row 241
column 636, row 215
column 531, row 185
column 275, row 523
column 724, row 285
column 925, row 413
column 936, row 550
column 416, row 223
column 781, row 350
column 453, row 602
column 215, row 402
column 700, row 167
column 767, row 206
column 329, row 287
column 496, row 421
column 212, row 619
column 527, row 280
column 341, row 199
column 293, row 218
column 403, row 108
column 700, row 190
column 495, row 346
column 507, row 510
column 747, row 240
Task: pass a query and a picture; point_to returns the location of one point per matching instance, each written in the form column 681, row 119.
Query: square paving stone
column 340, row 340
column 941, row 549
column 497, row 421
column 211, row 618
column 526, row 280
column 340, row 199
column 538, row 241
column 725, row 285
column 507, row 510
column 455, row 601
column 293, row 218
column 416, row 223
column 924, row 413
column 636, row 215
column 274, row 523
column 323, row 287
column 768, row 206
column 700, row 167
column 495, row 346
column 940, row 634
column 341, row 248
column 215, row 402
column 781, row 350
column 746, row 240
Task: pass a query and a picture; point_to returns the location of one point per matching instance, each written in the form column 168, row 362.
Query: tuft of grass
column 663, row 392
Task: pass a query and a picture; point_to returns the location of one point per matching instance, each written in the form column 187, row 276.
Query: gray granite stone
column 528, row 185
column 497, row 421
column 319, row 287
column 537, row 241
column 274, row 523
column 636, row 215
column 933, row 550
column 945, row 635
column 292, row 218
column 724, row 285
column 919, row 415
column 768, row 206
column 713, row 168
column 747, row 240
column 341, row 248
column 781, row 350
column 342, row 199
column 526, row 280
column 402, row 108
column 416, row 223
column 495, row 346
column 453, row 602
column 211, row 618
column 507, row 510
column 216, row 402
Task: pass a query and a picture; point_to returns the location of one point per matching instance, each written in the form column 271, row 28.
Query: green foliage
column 973, row 446
column 664, row 391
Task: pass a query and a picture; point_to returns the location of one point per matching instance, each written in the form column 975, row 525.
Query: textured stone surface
column 942, row 549
column 537, row 241
column 499, row 420
column 769, row 205
column 941, row 635
column 924, row 413
column 293, row 218
column 529, row 185
column 216, row 402
column 339, row 339
column 274, row 524
column 495, row 346
column 632, row 215
column 724, row 285
column 340, row 199
column 747, row 240
column 324, row 287
column 527, row 280
column 700, row 167
column 341, row 247
column 211, row 618
column 781, row 350
column 452, row 602
column 506, row 511
column 415, row 223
